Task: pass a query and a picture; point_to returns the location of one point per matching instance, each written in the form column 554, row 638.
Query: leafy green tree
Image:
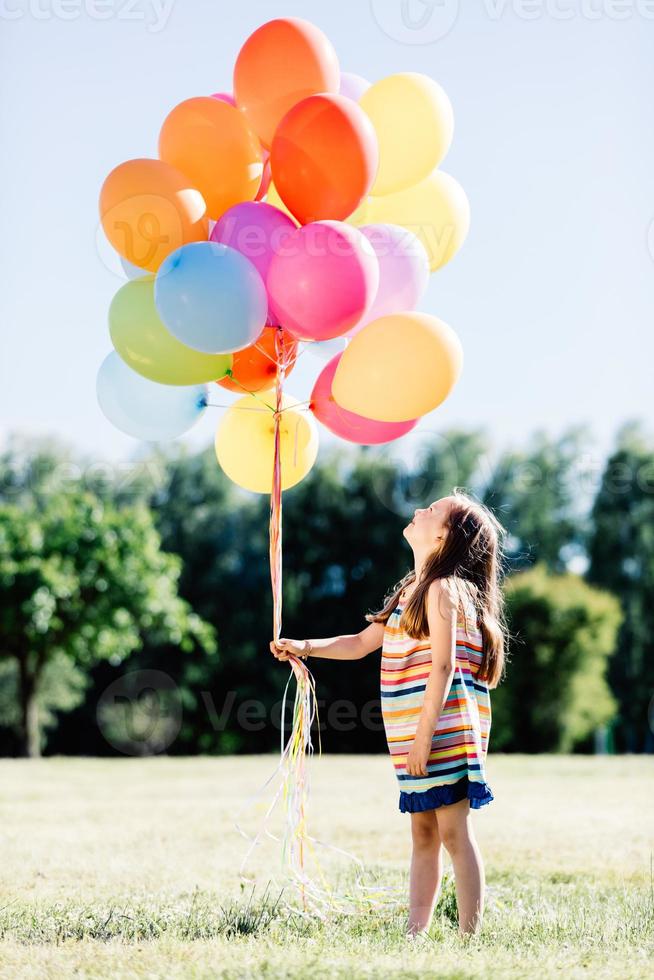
column 555, row 692
column 221, row 534
column 621, row 550
column 84, row 580
column 61, row 689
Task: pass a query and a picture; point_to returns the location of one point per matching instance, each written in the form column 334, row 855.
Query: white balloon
column 132, row 271
column 352, row 85
column 143, row 408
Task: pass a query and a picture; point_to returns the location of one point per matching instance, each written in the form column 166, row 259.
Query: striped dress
column 456, row 765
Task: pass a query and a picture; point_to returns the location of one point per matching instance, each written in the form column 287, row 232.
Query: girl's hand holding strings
column 284, row 649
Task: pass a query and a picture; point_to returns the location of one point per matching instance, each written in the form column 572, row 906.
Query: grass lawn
column 129, row 868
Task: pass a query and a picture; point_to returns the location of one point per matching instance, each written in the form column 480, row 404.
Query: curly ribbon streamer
column 292, row 772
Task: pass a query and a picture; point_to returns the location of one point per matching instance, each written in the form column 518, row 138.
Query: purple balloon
column 403, row 271
column 352, row 85
column 258, row 231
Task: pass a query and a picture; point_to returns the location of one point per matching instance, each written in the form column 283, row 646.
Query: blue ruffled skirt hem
column 478, row 793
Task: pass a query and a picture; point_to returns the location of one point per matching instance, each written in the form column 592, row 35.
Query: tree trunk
column 30, row 744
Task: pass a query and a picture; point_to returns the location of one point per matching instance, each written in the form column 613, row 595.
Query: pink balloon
column 352, row 85
column 349, row 425
column 403, row 271
column 256, row 230
column 323, row 281
column 224, row 97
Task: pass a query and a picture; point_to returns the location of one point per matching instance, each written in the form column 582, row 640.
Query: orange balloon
column 255, row 367
column 324, row 158
column 283, row 62
column 211, row 142
column 148, row 209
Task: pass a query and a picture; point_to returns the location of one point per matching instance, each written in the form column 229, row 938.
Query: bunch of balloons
column 306, row 208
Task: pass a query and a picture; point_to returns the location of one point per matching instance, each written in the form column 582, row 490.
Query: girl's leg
column 455, row 828
column 426, row 870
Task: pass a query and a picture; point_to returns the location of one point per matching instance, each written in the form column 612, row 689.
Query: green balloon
column 148, row 347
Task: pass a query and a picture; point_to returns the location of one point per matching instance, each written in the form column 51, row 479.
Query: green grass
column 129, row 869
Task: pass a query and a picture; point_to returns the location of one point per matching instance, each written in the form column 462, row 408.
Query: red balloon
column 348, row 425
column 324, row 157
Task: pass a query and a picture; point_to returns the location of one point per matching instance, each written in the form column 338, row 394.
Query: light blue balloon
column 211, row 297
column 143, row 408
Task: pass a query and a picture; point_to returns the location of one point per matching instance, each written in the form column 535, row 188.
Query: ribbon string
column 291, row 775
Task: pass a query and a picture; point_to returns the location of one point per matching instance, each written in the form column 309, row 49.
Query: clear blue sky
column 552, row 294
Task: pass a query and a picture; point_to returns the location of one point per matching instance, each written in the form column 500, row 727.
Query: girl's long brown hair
column 470, row 555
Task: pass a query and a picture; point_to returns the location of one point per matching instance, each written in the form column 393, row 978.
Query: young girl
column 442, row 635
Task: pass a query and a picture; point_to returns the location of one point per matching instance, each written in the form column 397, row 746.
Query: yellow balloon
column 436, row 210
column 398, row 367
column 147, row 346
column 245, row 442
column 414, row 122
column 272, row 197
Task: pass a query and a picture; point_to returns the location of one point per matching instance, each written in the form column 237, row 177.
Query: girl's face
column 429, row 525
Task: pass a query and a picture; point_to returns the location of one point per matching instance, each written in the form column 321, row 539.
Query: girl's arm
column 351, row 646
column 441, row 616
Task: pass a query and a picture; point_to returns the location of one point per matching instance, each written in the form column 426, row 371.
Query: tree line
column 136, row 613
